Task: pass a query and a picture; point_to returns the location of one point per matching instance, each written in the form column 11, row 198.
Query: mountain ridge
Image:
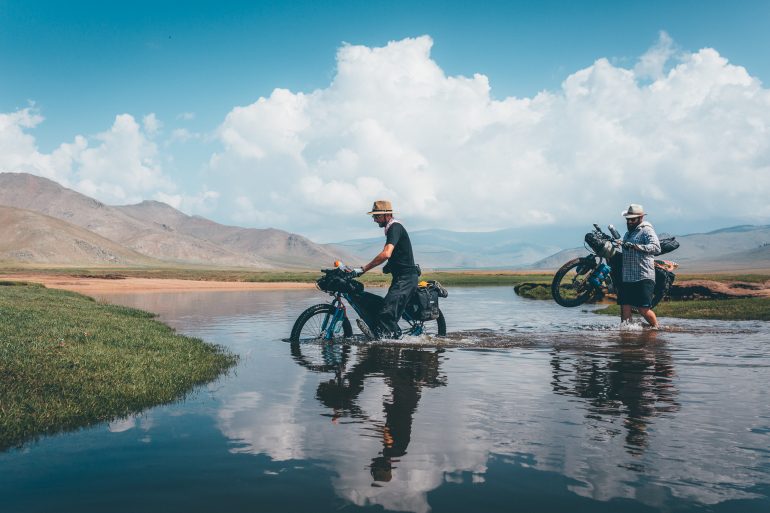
column 30, row 237
column 152, row 233
column 161, row 232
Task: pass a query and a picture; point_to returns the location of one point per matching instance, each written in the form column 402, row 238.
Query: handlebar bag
column 595, row 241
column 600, row 244
column 339, row 281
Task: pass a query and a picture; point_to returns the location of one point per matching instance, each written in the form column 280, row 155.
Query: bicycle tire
column 662, row 292
column 305, row 321
column 559, row 291
column 440, row 330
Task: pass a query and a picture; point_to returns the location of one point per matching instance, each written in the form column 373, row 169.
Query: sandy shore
column 91, row 286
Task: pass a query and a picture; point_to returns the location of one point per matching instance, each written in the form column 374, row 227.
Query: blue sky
column 78, row 65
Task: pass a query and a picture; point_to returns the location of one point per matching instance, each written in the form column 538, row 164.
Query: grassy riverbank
column 747, row 309
column 449, row 278
column 67, row 362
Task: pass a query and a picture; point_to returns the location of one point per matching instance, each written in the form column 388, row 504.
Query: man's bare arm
column 384, row 255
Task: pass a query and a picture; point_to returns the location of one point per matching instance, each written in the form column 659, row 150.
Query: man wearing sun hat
column 398, row 253
column 640, row 245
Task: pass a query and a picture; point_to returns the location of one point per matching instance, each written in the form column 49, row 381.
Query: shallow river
column 527, row 406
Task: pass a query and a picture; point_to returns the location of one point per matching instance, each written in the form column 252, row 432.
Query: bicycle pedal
column 365, row 329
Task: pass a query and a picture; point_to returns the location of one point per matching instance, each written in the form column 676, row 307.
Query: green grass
column 456, row 278
column 748, row 309
column 534, row 290
column 67, row 361
column 725, row 277
column 449, row 278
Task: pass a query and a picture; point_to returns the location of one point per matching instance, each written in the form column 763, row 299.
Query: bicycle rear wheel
column 313, row 324
column 435, row 328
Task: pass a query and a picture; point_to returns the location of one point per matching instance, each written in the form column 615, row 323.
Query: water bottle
column 599, row 275
column 341, row 266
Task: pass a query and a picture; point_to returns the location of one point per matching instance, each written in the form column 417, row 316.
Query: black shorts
column 637, row 293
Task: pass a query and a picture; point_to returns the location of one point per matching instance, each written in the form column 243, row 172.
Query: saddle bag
column 667, row 245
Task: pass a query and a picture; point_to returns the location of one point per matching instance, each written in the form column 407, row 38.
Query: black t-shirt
column 402, row 259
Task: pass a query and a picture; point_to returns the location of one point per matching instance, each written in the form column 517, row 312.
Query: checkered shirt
column 639, row 262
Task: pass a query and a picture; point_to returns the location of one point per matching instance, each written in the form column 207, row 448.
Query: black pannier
column 667, row 245
column 663, row 281
column 337, row 280
column 424, row 303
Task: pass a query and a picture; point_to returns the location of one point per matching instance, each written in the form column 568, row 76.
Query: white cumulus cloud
column 152, row 124
column 119, row 165
column 683, row 133
column 125, row 165
column 19, row 152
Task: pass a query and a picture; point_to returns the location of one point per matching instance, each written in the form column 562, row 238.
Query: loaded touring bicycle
column 586, row 278
column 330, row 321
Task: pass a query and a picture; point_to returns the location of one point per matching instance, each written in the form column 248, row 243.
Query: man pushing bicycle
column 398, row 253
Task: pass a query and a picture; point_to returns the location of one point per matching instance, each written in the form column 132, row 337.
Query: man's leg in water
column 647, row 313
column 649, row 316
column 625, row 313
column 394, row 303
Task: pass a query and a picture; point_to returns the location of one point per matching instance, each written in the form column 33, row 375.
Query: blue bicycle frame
column 333, row 321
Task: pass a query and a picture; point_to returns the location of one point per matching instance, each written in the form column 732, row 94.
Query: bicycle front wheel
column 570, row 288
column 314, row 324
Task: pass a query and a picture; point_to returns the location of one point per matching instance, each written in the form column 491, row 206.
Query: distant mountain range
column 443, row 249
column 42, row 222
column 45, row 223
column 738, row 247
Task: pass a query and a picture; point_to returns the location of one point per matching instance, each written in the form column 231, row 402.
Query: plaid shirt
column 639, row 261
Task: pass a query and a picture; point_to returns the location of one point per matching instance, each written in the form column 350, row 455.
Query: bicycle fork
column 333, row 322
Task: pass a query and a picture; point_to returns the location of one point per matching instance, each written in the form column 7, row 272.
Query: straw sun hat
column 381, row 207
column 633, row 211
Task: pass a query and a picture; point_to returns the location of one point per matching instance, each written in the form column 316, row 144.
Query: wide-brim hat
column 633, row 211
column 381, row 207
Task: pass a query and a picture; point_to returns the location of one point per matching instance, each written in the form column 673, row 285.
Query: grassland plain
column 67, row 361
column 743, row 309
column 533, row 285
column 746, row 309
column 449, row 278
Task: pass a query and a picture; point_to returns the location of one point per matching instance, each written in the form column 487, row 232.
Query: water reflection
column 405, row 371
column 633, row 381
column 526, row 405
column 649, row 417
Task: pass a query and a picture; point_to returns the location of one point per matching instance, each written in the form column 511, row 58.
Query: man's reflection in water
column 633, row 380
column 405, row 370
